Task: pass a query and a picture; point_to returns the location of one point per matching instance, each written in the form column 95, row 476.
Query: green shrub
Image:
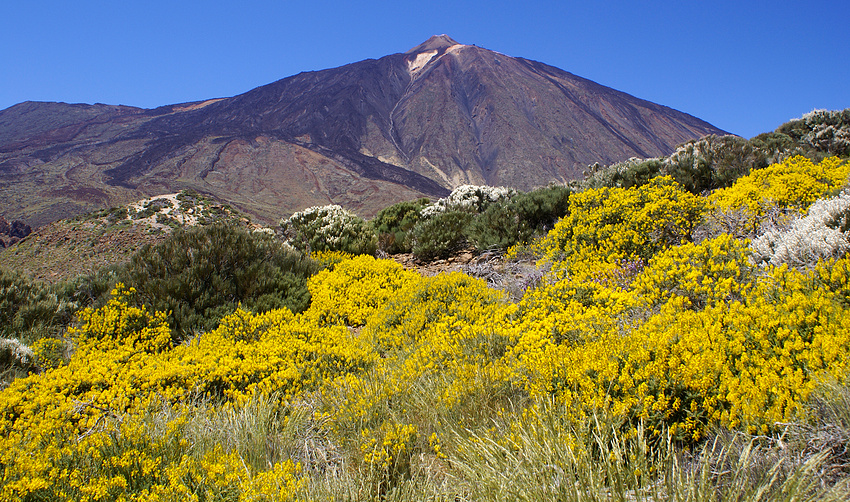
column 626, row 174
column 713, row 162
column 393, row 225
column 638, row 173
column 117, row 214
column 444, row 225
column 441, row 234
column 329, row 228
column 773, row 148
column 201, row 274
column 32, row 310
column 517, row 220
column 90, row 289
column 499, row 227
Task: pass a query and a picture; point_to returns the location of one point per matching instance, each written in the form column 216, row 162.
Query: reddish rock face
column 363, row 135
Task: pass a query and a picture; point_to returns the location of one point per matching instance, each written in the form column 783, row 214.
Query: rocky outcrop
column 11, row 233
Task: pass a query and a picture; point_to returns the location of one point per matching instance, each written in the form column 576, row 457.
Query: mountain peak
column 436, row 42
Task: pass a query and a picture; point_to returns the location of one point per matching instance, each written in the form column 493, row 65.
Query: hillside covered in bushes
column 680, row 332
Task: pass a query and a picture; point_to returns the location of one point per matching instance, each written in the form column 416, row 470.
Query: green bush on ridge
column 823, row 131
column 486, row 217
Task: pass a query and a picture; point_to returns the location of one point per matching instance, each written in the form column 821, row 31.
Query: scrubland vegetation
column 685, row 337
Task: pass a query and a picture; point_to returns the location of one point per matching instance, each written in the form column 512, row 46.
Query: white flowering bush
column 824, row 131
column 829, row 131
column 16, row 360
column 15, row 353
column 329, row 228
column 821, row 234
column 469, row 198
column 264, row 230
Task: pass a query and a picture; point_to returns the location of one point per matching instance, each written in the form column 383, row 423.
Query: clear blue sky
column 745, row 66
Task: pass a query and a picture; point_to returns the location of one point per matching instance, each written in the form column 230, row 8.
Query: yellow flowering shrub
column 49, row 352
column 617, row 223
column 75, row 423
column 279, row 484
column 438, row 336
column 793, row 184
column 354, row 289
column 697, row 339
column 387, row 452
column 714, row 271
column 564, row 314
column 796, row 182
column 751, row 362
column 119, row 458
column 128, row 461
column 328, row 259
column 119, row 326
column 41, row 415
column 275, row 352
column 451, row 299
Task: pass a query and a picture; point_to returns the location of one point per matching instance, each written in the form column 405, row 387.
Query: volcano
column 363, row 135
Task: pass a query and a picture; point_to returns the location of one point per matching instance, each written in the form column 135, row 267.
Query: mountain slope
column 363, row 135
